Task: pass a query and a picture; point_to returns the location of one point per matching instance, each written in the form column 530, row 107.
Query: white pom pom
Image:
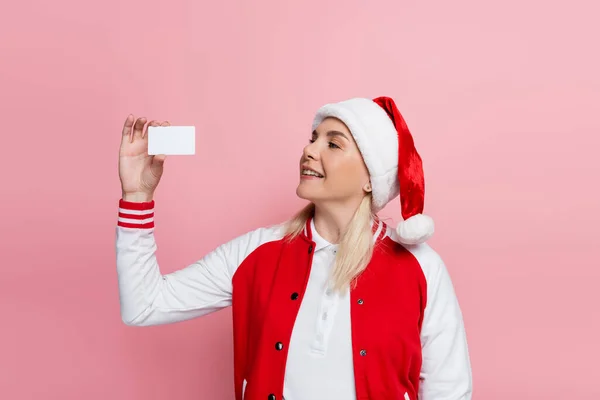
column 416, row 229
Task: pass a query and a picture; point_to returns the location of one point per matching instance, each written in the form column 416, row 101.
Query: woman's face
column 342, row 176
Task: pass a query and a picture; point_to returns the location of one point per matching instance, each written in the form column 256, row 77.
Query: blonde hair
column 355, row 247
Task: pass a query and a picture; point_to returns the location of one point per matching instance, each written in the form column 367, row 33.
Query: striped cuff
column 136, row 215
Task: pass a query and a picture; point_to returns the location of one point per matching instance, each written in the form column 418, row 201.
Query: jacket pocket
column 244, row 383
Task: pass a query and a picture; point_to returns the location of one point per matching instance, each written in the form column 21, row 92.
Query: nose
column 310, row 152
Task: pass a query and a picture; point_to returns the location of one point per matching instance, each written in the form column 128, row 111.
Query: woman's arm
column 149, row 298
column 446, row 369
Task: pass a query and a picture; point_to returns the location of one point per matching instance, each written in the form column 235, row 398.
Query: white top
column 319, row 364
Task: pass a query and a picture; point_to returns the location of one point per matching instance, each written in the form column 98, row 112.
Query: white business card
column 172, row 140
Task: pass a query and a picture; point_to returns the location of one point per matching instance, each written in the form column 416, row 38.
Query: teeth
column 309, row 172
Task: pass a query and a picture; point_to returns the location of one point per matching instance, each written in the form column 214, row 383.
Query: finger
column 159, row 158
column 165, row 123
column 151, row 123
column 157, row 164
column 138, row 128
column 128, row 124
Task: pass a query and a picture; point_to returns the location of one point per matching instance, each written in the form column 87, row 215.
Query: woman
column 333, row 304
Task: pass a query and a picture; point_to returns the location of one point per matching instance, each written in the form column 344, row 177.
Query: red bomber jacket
column 408, row 338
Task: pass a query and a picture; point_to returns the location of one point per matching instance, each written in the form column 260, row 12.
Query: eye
column 331, row 144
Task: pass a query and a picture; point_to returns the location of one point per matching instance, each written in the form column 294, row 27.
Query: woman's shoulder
column 428, row 258
column 252, row 239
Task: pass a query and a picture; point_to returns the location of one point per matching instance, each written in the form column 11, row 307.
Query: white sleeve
column 446, row 369
column 149, row 298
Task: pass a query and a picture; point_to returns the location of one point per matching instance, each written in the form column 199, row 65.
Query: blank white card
column 172, row 140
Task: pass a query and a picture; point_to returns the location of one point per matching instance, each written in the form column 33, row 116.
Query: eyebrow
column 334, row 133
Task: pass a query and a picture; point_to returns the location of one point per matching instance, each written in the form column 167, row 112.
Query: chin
column 305, row 193
column 300, row 192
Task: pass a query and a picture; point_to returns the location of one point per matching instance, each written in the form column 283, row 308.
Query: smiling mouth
column 308, row 172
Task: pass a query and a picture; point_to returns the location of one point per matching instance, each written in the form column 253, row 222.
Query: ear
column 367, row 187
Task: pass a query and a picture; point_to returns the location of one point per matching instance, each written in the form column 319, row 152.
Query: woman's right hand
column 139, row 172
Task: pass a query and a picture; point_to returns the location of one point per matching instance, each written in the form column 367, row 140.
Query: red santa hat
column 389, row 153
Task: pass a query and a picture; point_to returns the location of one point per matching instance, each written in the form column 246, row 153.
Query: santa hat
column 389, row 152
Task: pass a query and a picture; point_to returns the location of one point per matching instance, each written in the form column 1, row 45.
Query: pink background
column 503, row 101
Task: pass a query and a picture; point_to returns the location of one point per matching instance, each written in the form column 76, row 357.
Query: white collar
column 321, row 243
column 318, row 239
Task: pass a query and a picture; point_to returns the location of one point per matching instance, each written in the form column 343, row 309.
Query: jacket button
column 278, row 345
column 294, row 296
column 360, row 301
column 363, row 352
column 272, row 397
column 310, row 249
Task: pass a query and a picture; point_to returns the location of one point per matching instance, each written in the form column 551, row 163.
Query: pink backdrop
column 503, row 100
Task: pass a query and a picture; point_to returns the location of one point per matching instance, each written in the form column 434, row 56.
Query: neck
column 332, row 220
